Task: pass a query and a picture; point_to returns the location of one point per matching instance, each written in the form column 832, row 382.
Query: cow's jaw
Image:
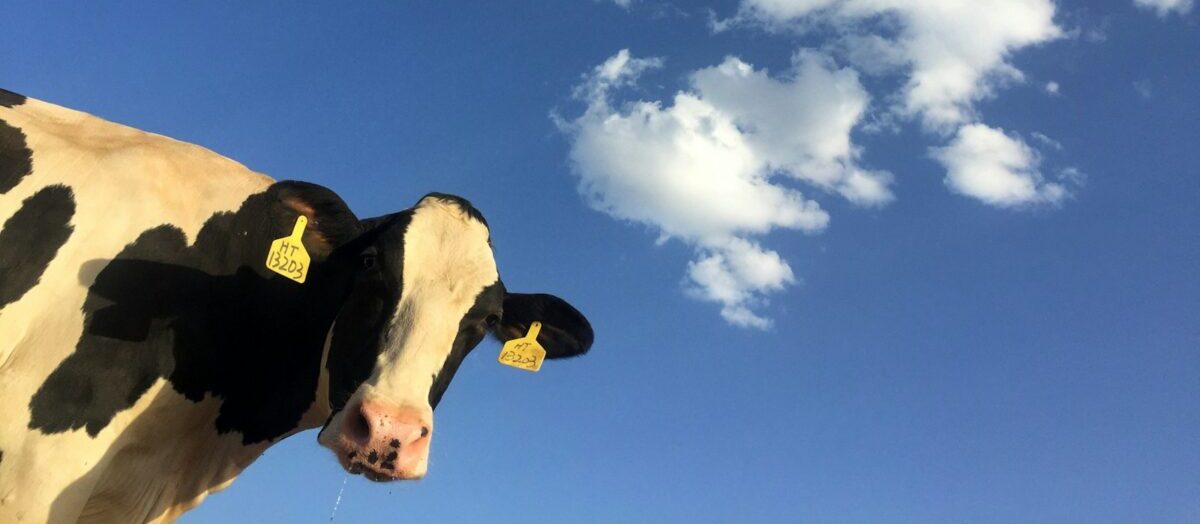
column 385, row 428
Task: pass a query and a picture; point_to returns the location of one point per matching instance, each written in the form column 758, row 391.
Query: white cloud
column 1165, row 7
column 950, row 54
column 872, row 54
column 735, row 275
column 996, row 168
column 717, row 164
column 955, row 51
column 801, row 124
column 618, row 71
column 707, row 169
column 1047, row 141
column 1144, row 88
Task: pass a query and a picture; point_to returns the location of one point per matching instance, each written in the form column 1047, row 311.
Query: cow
column 167, row 314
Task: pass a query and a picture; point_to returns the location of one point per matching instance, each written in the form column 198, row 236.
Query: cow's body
column 105, row 168
column 146, row 358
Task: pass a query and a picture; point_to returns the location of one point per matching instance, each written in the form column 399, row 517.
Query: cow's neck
column 135, row 486
column 147, row 481
column 184, row 446
column 318, row 413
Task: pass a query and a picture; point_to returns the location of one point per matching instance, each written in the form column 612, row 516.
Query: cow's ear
column 565, row 331
column 331, row 224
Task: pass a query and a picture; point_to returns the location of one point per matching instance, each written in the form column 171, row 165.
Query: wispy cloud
column 1047, row 141
column 1144, row 88
column 1165, row 7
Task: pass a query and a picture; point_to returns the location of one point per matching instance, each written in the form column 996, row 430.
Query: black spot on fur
column 16, row 160
column 471, row 330
column 373, row 457
column 363, row 321
column 210, row 318
column 31, row 238
column 10, row 99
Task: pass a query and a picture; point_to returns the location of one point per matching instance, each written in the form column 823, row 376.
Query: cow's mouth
column 375, row 466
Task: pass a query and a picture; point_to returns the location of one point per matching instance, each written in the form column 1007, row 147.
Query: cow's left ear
column 331, row 224
column 565, row 331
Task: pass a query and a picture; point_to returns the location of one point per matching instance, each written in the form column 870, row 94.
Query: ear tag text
column 525, row 352
column 288, row 256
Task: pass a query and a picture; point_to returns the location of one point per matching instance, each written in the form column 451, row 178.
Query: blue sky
column 820, row 293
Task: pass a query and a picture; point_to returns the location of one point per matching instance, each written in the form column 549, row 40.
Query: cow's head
column 428, row 295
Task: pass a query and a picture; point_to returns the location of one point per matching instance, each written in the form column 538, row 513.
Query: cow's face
column 427, row 297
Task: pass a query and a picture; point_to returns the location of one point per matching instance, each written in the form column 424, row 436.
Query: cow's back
column 74, row 191
column 121, row 182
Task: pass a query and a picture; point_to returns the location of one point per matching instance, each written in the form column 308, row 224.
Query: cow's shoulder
column 75, row 148
column 75, row 190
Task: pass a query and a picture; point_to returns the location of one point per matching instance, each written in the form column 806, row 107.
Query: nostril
column 424, row 431
column 358, row 427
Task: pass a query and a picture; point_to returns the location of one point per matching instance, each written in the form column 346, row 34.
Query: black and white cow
column 148, row 355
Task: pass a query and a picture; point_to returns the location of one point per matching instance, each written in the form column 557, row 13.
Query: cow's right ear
column 331, row 224
column 565, row 331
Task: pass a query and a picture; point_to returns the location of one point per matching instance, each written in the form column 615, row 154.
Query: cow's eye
column 492, row 320
column 368, row 261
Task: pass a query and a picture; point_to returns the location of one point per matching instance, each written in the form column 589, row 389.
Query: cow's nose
column 384, row 423
column 390, row 439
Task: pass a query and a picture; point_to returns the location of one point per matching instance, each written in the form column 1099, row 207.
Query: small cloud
column 618, row 71
column 1098, row 34
column 1163, row 8
column 661, row 10
column 736, row 274
column 1144, row 88
column 1085, row 26
column 1051, row 87
column 1072, row 176
column 1046, row 141
column 1000, row 170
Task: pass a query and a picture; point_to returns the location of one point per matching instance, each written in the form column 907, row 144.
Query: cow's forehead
column 447, row 242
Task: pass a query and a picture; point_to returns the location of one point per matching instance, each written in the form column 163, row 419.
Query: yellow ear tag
column 288, row 256
column 524, row 353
